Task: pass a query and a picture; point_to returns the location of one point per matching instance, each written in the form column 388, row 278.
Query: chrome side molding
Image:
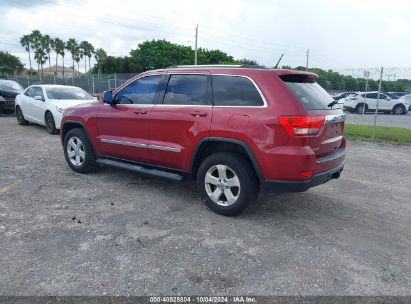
column 140, row 145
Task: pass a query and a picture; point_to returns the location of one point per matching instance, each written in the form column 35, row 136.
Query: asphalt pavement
column 114, row 232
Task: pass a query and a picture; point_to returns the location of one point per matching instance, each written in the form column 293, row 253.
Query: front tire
column 20, row 117
column 78, row 151
column 227, row 182
column 361, row 108
column 50, row 123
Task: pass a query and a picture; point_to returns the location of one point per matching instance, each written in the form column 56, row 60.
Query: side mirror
column 38, row 98
column 108, row 97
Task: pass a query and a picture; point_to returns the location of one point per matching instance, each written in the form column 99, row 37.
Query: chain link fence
column 370, row 96
column 92, row 83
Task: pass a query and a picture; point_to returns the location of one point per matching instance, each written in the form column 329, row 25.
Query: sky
column 340, row 34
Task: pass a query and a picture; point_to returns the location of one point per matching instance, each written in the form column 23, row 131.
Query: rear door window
column 186, row 90
column 310, row 94
column 235, row 91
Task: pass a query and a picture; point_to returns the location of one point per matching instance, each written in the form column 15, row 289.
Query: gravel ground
column 119, row 233
column 388, row 120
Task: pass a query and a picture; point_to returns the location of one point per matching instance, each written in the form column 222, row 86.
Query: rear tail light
column 301, row 125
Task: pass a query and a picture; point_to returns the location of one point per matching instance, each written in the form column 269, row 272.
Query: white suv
column 363, row 102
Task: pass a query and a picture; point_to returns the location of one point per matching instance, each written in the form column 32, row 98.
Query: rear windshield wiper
column 333, row 103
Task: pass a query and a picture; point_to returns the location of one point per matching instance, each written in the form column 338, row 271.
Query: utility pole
column 195, row 47
column 306, row 63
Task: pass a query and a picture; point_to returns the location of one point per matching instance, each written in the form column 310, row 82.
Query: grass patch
column 391, row 135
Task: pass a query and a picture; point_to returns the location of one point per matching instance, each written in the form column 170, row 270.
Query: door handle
column 198, row 114
column 140, row 112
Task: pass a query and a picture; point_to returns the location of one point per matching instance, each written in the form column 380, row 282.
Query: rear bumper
column 304, row 185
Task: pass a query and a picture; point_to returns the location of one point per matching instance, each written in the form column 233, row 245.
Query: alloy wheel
column 75, row 151
column 222, row 185
column 398, row 110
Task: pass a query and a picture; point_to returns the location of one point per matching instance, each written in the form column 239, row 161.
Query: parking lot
column 119, row 233
column 388, row 120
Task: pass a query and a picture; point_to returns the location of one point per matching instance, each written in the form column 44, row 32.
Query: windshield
column 311, row 95
column 67, row 93
column 10, row 86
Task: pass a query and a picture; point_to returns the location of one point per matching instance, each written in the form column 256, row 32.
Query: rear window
column 7, row 85
column 310, row 94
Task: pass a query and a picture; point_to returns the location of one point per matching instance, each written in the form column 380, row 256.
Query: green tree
column 59, row 47
column 35, row 38
column 25, row 41
column 158, row 54
column 100, row 55
column 41, row 58
column 246, row 61
column 10, row 64
column 88, row 51
column 46, row 44
column 73, row 48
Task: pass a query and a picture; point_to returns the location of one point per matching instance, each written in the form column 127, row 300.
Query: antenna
column 278, row 62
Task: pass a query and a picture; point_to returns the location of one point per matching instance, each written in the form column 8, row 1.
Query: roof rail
column 248, row 66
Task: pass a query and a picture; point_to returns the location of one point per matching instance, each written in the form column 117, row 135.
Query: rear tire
column 227, row 182
column 20, row 117
column 79, row 152
column 398, row 110
column 50, row 123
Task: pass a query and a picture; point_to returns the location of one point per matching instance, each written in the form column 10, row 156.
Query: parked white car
column 45, row 104
column 361, row 101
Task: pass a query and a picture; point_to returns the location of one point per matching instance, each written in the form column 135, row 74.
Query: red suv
column 233, row 129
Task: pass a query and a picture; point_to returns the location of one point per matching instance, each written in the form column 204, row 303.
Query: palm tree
column 83, row 50
column 41, row 57
column 88, row 51
column 35, row 38
column 78, row 56
column 100, row 56
column 59, row 47
column 25, row 42
column 72, row 47
column 46, row 43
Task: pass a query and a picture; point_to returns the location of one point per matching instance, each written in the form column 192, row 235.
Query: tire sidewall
column 50, row 128
column 244, row 172
column 89, row 159
column 20, row 116
column 360, row 107
column 398, row 107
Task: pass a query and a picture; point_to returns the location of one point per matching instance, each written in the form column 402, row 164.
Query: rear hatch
column 325, row 117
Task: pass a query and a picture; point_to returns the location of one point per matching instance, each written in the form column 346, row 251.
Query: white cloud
column 340, row 34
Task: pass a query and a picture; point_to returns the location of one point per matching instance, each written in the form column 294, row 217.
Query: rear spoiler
column 296, row 76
